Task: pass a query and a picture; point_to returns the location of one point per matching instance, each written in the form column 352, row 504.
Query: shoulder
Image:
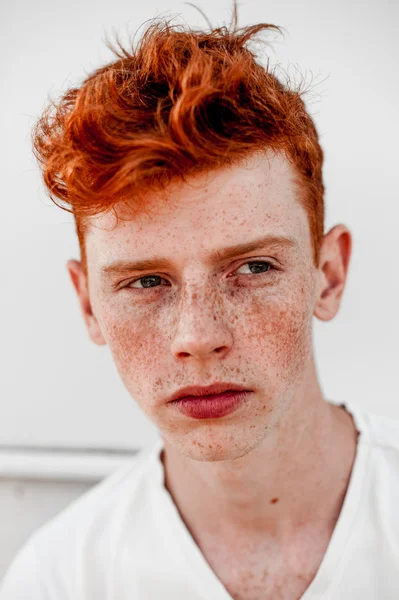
column 377, row 452
column 378, row 491
column 379, row 449
column 98, row 505
column 86, row 530
column 377, row 430
column 384, row 431
column 384, row 454
column 381, row 432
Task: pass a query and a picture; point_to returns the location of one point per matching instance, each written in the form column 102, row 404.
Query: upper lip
column 196, row 390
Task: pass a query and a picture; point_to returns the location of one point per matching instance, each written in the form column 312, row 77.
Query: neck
column 299, row 472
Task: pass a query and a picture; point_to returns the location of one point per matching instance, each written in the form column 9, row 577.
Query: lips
column 215, row 388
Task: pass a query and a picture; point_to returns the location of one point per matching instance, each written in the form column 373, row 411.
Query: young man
column 195, row 178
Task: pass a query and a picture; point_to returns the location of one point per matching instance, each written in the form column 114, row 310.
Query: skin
column 263, row 485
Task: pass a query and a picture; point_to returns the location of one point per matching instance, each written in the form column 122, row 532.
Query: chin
column 213, row 447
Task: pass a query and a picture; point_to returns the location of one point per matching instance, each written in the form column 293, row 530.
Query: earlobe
column 96, row 333
column 79, row 282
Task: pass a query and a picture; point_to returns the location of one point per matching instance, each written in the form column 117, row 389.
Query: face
column 196, row 316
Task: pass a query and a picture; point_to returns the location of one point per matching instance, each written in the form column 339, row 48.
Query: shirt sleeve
column 23, row 580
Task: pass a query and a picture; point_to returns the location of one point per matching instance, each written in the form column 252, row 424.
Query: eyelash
column 253, row 262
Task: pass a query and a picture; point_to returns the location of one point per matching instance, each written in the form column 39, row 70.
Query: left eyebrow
column 121, row 267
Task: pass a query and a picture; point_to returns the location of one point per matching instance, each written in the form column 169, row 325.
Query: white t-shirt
column 125, row 540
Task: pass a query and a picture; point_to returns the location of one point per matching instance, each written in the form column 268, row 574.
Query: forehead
column 233, row 204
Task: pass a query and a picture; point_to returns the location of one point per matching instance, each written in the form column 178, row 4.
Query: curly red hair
column 182, row 102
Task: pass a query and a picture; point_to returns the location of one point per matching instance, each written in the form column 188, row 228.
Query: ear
column 335, row 254
column 79, row 281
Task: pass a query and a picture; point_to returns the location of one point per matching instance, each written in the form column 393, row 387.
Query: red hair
column 182, row 102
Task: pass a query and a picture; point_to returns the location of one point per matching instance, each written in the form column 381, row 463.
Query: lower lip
column 212, row 406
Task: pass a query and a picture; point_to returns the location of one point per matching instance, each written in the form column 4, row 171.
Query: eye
column 147, row 281
column 258, row 266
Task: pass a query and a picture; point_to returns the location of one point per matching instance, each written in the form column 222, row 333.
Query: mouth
column 204, row 392
column 211, row 406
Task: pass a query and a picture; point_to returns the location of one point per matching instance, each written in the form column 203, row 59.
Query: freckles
column 134, row 344
column 280, row 331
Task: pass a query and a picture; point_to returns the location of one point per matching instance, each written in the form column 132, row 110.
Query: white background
column 59, row 389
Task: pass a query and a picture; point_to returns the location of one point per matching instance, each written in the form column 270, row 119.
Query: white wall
column 56, row 386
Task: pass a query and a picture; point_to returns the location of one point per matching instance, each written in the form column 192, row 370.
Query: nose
column 202, row 331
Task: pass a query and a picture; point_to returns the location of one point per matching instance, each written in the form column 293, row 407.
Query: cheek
column 279, row 333
column 134, row 343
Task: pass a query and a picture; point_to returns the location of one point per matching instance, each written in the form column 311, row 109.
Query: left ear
column 335, row 254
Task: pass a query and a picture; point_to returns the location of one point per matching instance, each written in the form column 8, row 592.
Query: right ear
column 79, row 281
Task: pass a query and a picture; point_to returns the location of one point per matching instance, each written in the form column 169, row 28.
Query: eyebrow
column 121, row 267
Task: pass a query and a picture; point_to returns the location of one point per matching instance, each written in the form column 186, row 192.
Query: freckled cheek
column 279, row 333
column 134, row 340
